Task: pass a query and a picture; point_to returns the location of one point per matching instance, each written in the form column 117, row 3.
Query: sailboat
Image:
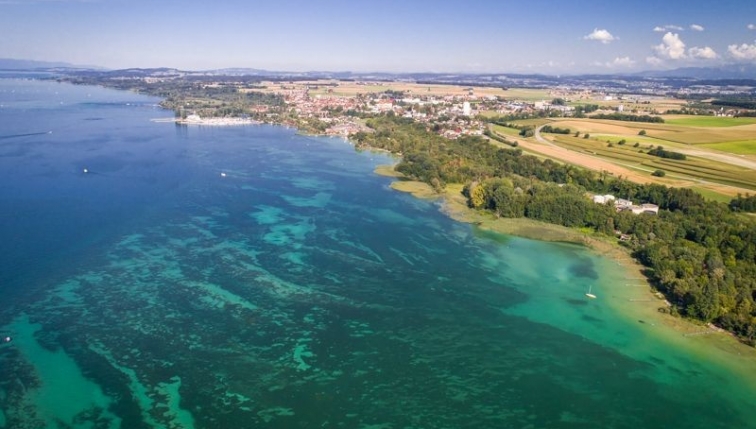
column 589, row 294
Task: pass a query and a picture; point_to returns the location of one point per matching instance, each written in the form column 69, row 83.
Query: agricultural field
column 526, row 94
column 743, row 147
column 737, row 139
column 351, row 89
column 692, row 167
column 720, row 153
column 651, row 106
column 505, row 131
column 703, row 135
column 530, row 122
column 707, row 121
column 712, row 195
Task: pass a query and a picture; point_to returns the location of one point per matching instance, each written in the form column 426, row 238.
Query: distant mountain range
column 730, row 71
column 13, row 64
column 726, row 72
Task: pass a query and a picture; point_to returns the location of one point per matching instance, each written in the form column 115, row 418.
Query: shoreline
column 213, row 122
column 636, row 300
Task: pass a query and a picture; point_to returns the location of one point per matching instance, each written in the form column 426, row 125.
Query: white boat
column 589, row 294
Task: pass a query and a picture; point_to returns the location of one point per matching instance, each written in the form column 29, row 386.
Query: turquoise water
column 251, row 277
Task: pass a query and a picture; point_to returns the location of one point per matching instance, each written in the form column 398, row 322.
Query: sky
column 472, row 36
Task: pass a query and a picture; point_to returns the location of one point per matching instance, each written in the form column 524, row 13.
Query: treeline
column 700, row 254
column 744, row 204
column 555, row 130
column 629, row 118
column 583, row 109
column 662, row 153
column 737, row 103
column 499, row 138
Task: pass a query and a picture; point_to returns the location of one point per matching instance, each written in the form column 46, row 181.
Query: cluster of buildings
column 626, row 205
column 451, row 116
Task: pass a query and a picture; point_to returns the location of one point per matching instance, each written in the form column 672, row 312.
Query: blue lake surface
column 162, row 276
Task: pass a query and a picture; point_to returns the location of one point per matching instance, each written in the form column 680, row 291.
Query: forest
column 700, row 254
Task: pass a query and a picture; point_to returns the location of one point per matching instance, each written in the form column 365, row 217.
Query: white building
column 603, row 199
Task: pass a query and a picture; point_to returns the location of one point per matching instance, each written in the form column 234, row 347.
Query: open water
column 250, row 277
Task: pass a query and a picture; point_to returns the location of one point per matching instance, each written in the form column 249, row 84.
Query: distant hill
column 730, row 71
column 15, row 64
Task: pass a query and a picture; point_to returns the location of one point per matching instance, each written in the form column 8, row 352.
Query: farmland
column 708, row 121
column 720, row 152
column 337, row 88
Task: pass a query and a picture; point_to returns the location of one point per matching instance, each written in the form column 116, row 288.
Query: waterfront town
column 335, row 107
column 450, row 106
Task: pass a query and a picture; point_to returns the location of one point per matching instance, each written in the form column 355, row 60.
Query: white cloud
column 744, row 52
column 623, row 62
column 618, row 62
column 671, row 47
column 668, row 27
column 696, row 27
column 751, row 26
column 602, row 36
column 705, row 53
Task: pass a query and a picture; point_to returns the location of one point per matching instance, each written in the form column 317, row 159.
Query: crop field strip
column 708, row 121
column 692, row 167
column 742, row 147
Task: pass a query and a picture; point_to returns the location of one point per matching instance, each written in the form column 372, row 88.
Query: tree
column 659, row 173
column 527, row 132
column 642, row 132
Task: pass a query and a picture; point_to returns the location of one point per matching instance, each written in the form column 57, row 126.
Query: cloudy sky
column 388, row 35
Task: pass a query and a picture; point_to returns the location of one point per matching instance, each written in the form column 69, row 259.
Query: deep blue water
column 252, row 277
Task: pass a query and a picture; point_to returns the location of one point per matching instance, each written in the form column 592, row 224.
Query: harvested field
column 723, row 178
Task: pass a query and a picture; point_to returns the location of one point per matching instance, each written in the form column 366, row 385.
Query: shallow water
column 294, row 290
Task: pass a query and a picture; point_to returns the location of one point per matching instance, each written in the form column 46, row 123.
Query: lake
column 164, row 276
